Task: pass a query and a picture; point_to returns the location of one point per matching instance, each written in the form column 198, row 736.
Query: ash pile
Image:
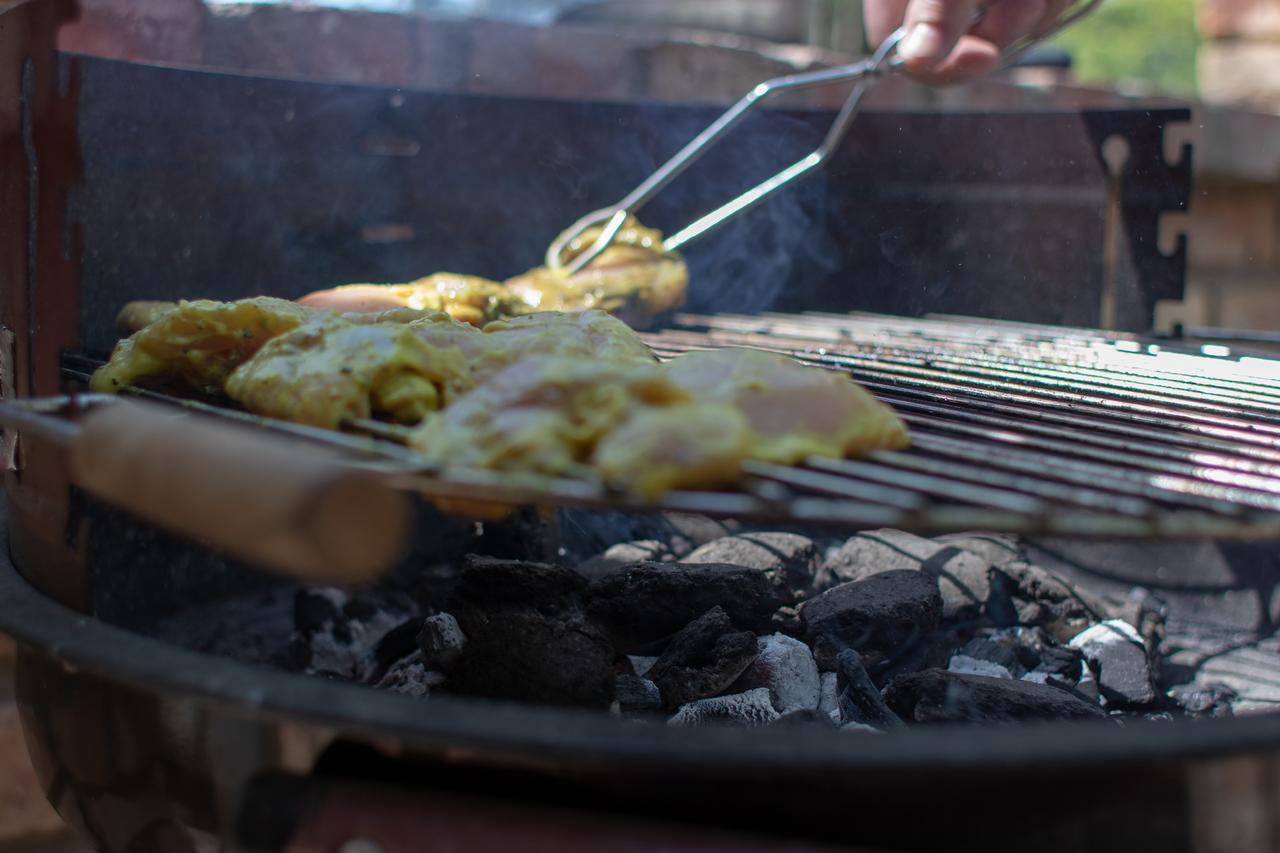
column 883, row 630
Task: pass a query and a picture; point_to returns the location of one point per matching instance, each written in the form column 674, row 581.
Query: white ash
column 351, row 656
column 860, row 729
column 829, row 697
column 966, row 665
column 1118, row 658
column 411, row 677
column 753, row 708
column 785, row 667
column 641, row 664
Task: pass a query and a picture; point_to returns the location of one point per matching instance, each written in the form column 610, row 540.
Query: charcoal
column 625, row 554
column 1148, row 613
column 703, row 659
column 753, row 708
column 938, row 696
column 529, row 637
column 857, row 697
column 786, row 620
column 804, row 717
column 514, row 581
column 410, row 676
column 963, row 578
column 789, row 558
column 997, row 549
column 876, row 616
column 786, row 668
column 687, row 531
column 966, row 665
column 1212, row 701
column 1037, row 597
column 634, row 693
column 441, row 641
column 347, row 648
column 646, row 603
column 399, row 642
column 314, row 607
column 1116, row 654
column 1061, row 661
column 999, row 649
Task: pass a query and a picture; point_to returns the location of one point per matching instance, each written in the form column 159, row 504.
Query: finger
column 882, row 18
column 1010, row 20
column 972, row 57
column 933, row 28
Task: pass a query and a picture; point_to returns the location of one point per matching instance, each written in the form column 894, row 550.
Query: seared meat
column 633, row 279
column 467, row 298
column 794, row 411
column 330, row 370
column 200, row 343
column 543, row 415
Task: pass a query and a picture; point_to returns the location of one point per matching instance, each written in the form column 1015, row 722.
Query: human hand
column 942, row 43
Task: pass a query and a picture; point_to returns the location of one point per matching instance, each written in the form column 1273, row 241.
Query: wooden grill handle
column 291, row 507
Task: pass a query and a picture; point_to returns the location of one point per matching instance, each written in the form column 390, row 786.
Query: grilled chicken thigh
column 793, row 411
column 329, row 370
column 633, row 279
column 200, row 343
column 464, row 297
column 543, row 415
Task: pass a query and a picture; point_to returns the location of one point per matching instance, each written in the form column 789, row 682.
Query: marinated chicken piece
column 136, row 316
column 634, row 279
column 331, row 370
column 467, row 298
column 590, row 336
column 200, row 343
column 794, row 411
column 685, row 446
column 542, row 415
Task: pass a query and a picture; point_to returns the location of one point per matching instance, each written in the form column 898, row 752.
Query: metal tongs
column 862, row 74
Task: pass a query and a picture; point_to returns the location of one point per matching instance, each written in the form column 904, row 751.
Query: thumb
column 933, row 27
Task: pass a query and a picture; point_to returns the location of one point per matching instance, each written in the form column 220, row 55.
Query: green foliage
column 1144, row 41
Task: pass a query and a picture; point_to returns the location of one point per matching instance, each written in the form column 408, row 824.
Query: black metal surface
column 200, row 184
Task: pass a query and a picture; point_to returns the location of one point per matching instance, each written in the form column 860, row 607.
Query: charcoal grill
column 1019, row 426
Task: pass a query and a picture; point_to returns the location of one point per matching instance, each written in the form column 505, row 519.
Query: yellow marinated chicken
column 200, row 343
column 330, row 370
column 542, row 415
column 464, row 297
column 684, row 446
column 794, row 411
column 634, row 279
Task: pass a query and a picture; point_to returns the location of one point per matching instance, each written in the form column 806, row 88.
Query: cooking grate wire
column 1019, row 427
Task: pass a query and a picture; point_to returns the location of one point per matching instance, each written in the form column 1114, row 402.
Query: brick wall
column 1240, row 59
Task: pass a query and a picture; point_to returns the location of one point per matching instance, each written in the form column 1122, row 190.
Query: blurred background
column 1222, row 57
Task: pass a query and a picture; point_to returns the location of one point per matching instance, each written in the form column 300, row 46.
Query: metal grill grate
column 1016, row 427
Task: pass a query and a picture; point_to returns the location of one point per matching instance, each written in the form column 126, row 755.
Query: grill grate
column 1016, row 427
